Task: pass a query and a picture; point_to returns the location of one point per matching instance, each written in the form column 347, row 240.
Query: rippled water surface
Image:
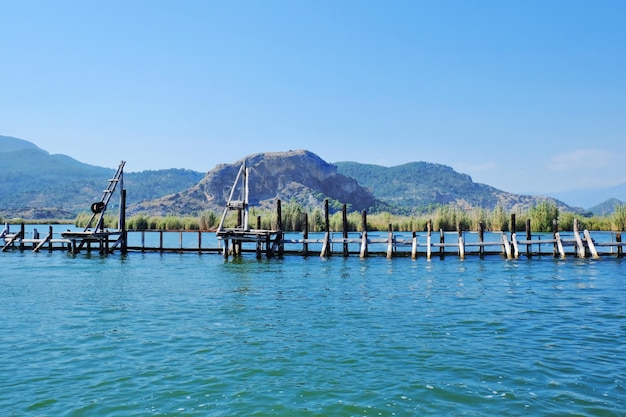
column 151, row 334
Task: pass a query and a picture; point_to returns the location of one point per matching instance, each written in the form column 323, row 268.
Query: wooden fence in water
column 390, row 244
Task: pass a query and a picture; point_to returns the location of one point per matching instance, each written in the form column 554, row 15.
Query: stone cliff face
column 299, row 176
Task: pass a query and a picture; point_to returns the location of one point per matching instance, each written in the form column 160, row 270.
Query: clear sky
column 526, row 96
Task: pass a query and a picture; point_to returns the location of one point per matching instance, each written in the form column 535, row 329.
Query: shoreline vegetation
column 445, row 217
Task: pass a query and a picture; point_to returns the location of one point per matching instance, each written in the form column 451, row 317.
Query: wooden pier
column 428, row 244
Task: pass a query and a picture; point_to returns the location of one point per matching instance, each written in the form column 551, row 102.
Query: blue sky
column 526, row 96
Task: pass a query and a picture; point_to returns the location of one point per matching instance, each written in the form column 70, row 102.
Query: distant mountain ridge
column 422, row 184
column 35, row 184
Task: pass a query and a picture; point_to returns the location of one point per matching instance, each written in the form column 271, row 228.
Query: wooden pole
column 620, row 248
column 364, row 251
column 161, row 240
column 51, row 236
column 555, row 231
column 22, row 234
column 389, row 241
column 429, row 247
column 481, row 238
column 279, row 236
column 259, row 244
column 124, row 242
column 305, row 234
column 442, row 241
column 344, row 217
column 326, row 245
column 590, row 244
column 580, row 248
column 414, row 246
column 199, row 241
column 528, row 238
column 461, row 243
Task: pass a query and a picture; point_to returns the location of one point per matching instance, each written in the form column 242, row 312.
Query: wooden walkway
column 360, row 244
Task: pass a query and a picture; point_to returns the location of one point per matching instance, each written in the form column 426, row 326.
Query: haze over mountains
column 35, row 184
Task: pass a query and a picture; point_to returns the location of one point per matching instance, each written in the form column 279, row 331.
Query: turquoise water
column 153, row 335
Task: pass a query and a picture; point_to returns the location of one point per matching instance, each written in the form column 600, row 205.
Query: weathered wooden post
column 389, row 241
column 414, row 246
column 259, row 244
column 580, row 248
column 528, row 238
column 199, row 241
column 22, row 234
column 620, row 248
column 555, row 236
column 161, row 241
column 50, row 240
column 364, row 252
column 559, row 245
column 124, row 236
column 513, row 230
column 279, row 236
column 442, row 241
column 143, row 240
column 459, row 231
column 429, row 228
column 344, row 218
column 305, row 234
column 481, row 238
column 326, row 251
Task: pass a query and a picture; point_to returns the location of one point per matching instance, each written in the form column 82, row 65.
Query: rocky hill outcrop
column 299, row 176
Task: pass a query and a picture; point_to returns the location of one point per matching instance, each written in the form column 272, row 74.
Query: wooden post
column 481, row 238
column 507, row 246
column 620, row 248
column 22, row 234
column 559, row 245
column 555, row 231
column 364, row 252
column 225, row 249
column 259, row 244
column 461, row 243
column 414, row 246
column 281, row 242
column 180, row 239
column 580, row 248
column 51, row 236
column 326, row 250
column 429, row 229
column 199, row 241
column 305, row 234
column 442, row 241
column 143, row 240
column 344, row 217
column 161, row 240
column 123, row 243
column 389, row 242
column 528, row 238
column 590, row 244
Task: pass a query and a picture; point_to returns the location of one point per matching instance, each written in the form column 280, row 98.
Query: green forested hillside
column 420, row 184
column 35, row 184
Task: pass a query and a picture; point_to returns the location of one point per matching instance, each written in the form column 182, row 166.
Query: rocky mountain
column 418, row 185
column 299, row 176
column 35, row 184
